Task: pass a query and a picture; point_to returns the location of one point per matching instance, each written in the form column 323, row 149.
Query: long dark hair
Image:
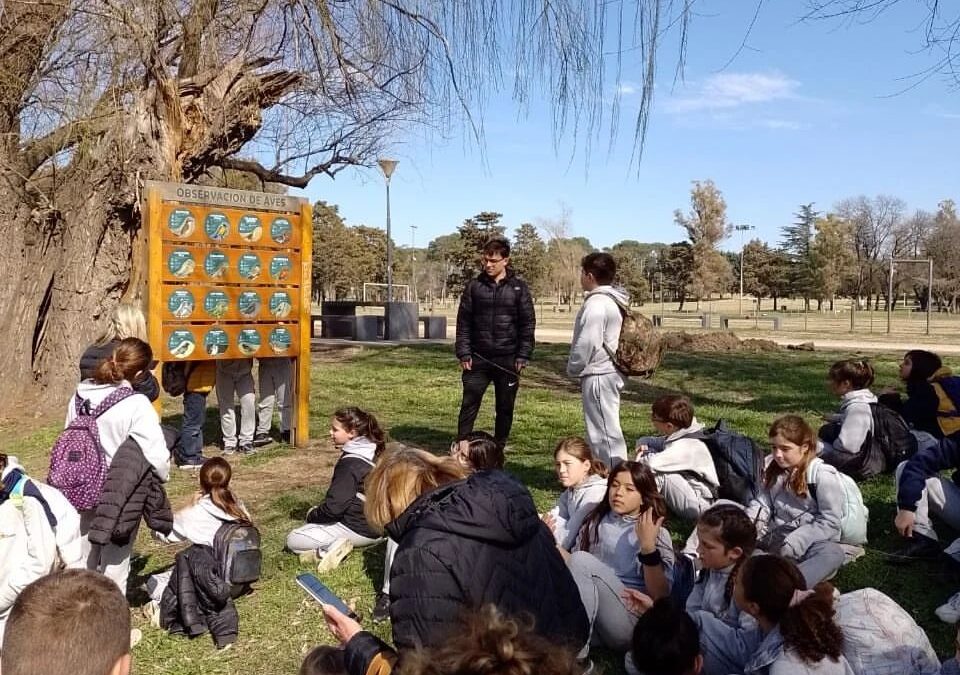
column 808, row 627
column 734, row 529
column 923, row 364
column 364, row 424
column 646, row 484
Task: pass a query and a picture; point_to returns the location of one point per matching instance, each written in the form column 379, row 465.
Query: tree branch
column 331, row 167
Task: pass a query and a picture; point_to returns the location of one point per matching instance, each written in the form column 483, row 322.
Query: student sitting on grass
column 846, row 432
column 584, row 479
column 74, row 622
column 336, row 525
column 683, row 466
column 791, row 519
column 477, row 451
column 666, row 642
column 928, row 408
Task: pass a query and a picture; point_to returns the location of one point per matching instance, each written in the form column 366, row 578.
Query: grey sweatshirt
column 597, row 324
column 574, row 505
column 856, row 420
column 618, row 548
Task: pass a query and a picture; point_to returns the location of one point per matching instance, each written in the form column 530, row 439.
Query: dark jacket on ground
column 496, row 319
column 344, row 500
column 197, row 599
column 94, row 354
column 473, row 542
column 132, row 490
column 927, row 463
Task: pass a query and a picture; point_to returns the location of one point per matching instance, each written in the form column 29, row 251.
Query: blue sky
column 807, row 111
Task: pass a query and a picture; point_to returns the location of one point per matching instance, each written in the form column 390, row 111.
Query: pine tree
column 797, row 243
column 528, row 257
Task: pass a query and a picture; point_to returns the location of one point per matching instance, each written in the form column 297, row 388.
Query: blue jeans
column 191, row 433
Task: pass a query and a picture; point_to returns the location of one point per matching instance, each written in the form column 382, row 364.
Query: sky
column 805, row 112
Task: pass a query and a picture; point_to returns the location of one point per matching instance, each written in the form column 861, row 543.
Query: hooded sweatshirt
column 617, row 547
column 597, row 324
column 574, row 505
column 686, row 455
column 198, row 523
column 856, row 420
column 773, row 657
column 133, row 417
column 344, row 500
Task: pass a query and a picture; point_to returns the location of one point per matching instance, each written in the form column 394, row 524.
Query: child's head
column 350, row 423
column 793, row 447
column 400, row 476
column 126, row 321
column 215, row 481
column 63, row 615
column 477, row 451
column 631, row 490
column 671, row 413
column 666, row 641
column 597, row 269
column 727, row 536
column 919, row 365
column 323, row 660
column 574, row 461
column 130, row 357
column 772, row 590
column 849, row 375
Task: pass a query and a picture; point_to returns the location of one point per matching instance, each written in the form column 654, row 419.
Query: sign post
column 229, row 278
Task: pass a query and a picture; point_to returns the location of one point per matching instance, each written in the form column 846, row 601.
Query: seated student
column 584, row 479
column 324, row 660
column 477, row 451
column 847, row 430
column 489, row 642
column 799, row 632
column 684, row 469
column 918, row 370
column 791, row 519
column 622, row 546
column 336, row 525
column 213, row 506
column 68, row 623
column 666, row 642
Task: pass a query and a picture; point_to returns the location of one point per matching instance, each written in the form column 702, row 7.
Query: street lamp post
column 413, row 262
column 741, row 229
column 388, row 166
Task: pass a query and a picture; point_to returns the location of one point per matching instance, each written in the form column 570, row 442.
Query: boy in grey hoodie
column 596, row 332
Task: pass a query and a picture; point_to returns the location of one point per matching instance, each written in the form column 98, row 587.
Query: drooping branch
column 330, row 167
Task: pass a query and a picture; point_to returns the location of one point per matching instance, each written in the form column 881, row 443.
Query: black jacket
column 474, row 542
column 132, row 490
column 197, row 598
column 920, row 407
column 496, row 319
column 94, row 354
column 343, row 502
column 927, row 463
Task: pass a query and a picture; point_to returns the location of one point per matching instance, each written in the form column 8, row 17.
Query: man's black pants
column 505, row 380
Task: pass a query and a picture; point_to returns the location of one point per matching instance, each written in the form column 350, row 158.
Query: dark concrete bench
column 434, row 327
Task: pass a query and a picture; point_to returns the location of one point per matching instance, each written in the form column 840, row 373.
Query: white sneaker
column 334, row 555
column 135, row 636
column 308, row 557
column 949, row 612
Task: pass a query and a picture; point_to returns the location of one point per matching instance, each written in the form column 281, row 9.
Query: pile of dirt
column 716, row 342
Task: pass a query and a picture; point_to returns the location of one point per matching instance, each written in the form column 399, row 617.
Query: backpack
column 237, row 547
column 854, row 516
column 881, row 638
column 891, row 437
column 738, row 461
column 947, row 390
column 640, row 347
column 78, row 465
column 173, row 378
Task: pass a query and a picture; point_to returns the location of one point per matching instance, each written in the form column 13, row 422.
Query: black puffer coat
column 197, row 598
column 94, row 354
column 496, row 319
column 474, row 542
column 132, row 491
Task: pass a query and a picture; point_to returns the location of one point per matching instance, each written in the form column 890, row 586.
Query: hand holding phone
column 319, row 592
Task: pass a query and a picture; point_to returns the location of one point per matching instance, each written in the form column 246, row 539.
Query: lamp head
column 387, row 166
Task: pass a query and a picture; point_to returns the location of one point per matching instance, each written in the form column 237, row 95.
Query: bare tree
column 875, row 223
column 706, row 226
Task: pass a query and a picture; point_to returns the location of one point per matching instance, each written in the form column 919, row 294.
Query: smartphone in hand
column 319, row 592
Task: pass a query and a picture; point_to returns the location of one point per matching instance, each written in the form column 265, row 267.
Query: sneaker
column 151, row 612
column 190, row 464
column 334, row 555
column 135, row 636
column 949, row 612
column 247, row 449
column 309, row 557
column 229, row 449
column 261, row 440
column 285, row 437
column 381, row 608
column 921, row 547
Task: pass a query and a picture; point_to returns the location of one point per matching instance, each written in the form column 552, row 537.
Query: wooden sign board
column 229, row 278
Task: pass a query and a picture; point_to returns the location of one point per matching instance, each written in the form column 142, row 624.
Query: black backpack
column 173, row 378
column 891, row 436
column 738, row 461
column 237, row 547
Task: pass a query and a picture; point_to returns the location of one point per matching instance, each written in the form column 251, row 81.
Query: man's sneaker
column 949, row 612
column 247, row 449
column 190, row 464
column 261, row 440
column 381, row 608
column 229, row 449
column 285, row 437
column 921, row 547
column 334, row 555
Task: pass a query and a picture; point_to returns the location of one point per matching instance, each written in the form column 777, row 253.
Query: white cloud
column 627, row 88
column 724, row 91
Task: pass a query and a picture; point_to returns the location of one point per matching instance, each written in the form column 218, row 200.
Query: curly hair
column 492, row 644
column 643, row 479
column 808, row 626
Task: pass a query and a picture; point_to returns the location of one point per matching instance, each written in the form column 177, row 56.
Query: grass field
column 415, row 393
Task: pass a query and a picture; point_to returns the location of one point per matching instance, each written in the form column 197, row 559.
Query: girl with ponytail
column 584, row 478
column 798, row 628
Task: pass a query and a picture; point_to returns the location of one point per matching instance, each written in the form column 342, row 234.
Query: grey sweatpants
column 111, row 561
column 682, row 498
column 601, row 413
column 274, row 388
column 314, row 537
column 235, row 379
column 821, row 560
column 601, row 592
column 941, row 497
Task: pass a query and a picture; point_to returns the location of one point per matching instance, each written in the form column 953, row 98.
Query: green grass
column 415, row 392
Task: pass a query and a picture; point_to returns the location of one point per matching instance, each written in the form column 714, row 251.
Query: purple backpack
column 78, row 467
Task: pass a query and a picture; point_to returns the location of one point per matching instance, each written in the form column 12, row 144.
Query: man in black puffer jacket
column 495, row 335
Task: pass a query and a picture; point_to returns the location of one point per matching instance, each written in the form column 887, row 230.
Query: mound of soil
column 716, row 342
